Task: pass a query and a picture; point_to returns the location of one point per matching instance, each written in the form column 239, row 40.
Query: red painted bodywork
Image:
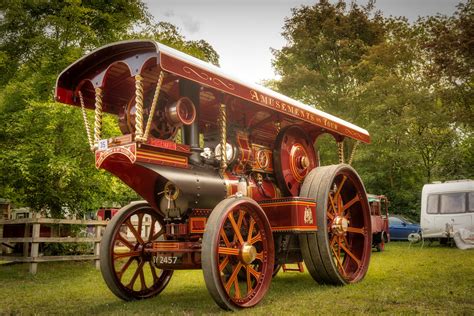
column 291, row 214
column 106, row 213
column 379, row 214
column 254, row 115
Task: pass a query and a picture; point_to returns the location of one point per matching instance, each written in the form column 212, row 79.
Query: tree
column 394, row 79
column 45, row 162
column 168, row 34
column 325, row 41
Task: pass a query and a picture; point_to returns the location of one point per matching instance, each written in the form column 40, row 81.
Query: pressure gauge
column 229, row 152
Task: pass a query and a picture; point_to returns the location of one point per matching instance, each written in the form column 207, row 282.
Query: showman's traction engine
column 229, row 175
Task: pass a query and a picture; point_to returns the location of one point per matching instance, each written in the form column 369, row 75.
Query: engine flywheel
column 294, row 157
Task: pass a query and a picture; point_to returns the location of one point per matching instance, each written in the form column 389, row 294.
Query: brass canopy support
column 86, row 122
column 153, row 107
column 340, row 151
column 223, row 125
column 353, row 152
column 98, row 117
column 139, row 107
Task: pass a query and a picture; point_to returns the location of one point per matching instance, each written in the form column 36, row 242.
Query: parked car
column 400, row 227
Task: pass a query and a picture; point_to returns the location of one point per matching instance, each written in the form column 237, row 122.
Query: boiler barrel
column 199, row 187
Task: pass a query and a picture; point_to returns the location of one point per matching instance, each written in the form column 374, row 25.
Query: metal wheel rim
column 348, row 249
column 128, row 269
column 237, row 222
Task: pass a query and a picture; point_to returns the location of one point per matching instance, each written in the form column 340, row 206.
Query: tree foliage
column 410, row 85
column 45, row 162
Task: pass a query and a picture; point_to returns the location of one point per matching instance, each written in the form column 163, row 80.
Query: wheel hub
column 248, row 253
column 340, row 225
column 303, row 162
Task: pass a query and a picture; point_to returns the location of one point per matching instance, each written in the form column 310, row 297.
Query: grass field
column 402, row 280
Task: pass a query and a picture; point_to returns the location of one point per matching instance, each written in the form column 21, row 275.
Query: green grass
column 402, row 280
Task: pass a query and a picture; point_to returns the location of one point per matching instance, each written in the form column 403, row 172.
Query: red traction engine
column 228, row 171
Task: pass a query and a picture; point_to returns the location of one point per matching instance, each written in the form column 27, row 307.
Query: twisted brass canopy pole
column 86, row 121
column 340, row 147
column 223, row 123
column 153, row 106
column 353, row 152
column 98, row 116
column 139, row 108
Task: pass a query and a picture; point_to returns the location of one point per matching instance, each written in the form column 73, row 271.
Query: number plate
column 103, row 144
column 165, row 260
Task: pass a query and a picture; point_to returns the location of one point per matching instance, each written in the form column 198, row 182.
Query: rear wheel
column 126, row 266
column 339, row 252
column 237, row 253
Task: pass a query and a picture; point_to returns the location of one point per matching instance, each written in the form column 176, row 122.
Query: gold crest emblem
column 308, row 215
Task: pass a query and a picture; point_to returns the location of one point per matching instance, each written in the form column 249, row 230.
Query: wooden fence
column 32, row 241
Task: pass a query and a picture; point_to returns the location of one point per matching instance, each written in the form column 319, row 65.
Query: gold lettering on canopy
column 292, row 110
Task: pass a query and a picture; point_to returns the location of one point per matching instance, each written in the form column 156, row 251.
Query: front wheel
column 237, row 253
column 126, row 265
column 339, row 252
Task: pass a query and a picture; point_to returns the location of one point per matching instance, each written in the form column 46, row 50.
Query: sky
column 244, row 31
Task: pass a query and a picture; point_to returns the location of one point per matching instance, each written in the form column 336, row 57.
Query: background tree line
column 409, row 84
column 44, row 160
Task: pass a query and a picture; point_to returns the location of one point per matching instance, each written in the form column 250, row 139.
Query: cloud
column 168, row 13
column 190, row 24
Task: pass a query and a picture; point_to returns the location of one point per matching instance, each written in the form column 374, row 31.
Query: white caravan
column 447, row 208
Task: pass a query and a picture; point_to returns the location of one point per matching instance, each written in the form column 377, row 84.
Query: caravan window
column 471, row 202
column 453, row 203
column 432, row 207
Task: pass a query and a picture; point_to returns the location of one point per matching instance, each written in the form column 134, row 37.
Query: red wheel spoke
column 253, row 272
column 255, row 239
column 228, row 251
column 240, row 219
column 356, row 230
column 124, row 241
column 135, row 275
column 153, row 272
column 348, row 252
column 237, row 288
column 152, row 229
column 340, row 187
column 124, row 268
column 347, row 242
column 252, row 224
column 127, row 254
column 140, row 223
column 236, row 228
column 338, row 261
column 134, row 231
column 233, row 277
column 333, row 240
column 259, row 256
column 350, row 203
column 330, row 216
column 158, row 233
column 223, row 264
column 226, row 240
column 339, row 205
column 142, row 278
column 332, row 205
column 249, row 279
